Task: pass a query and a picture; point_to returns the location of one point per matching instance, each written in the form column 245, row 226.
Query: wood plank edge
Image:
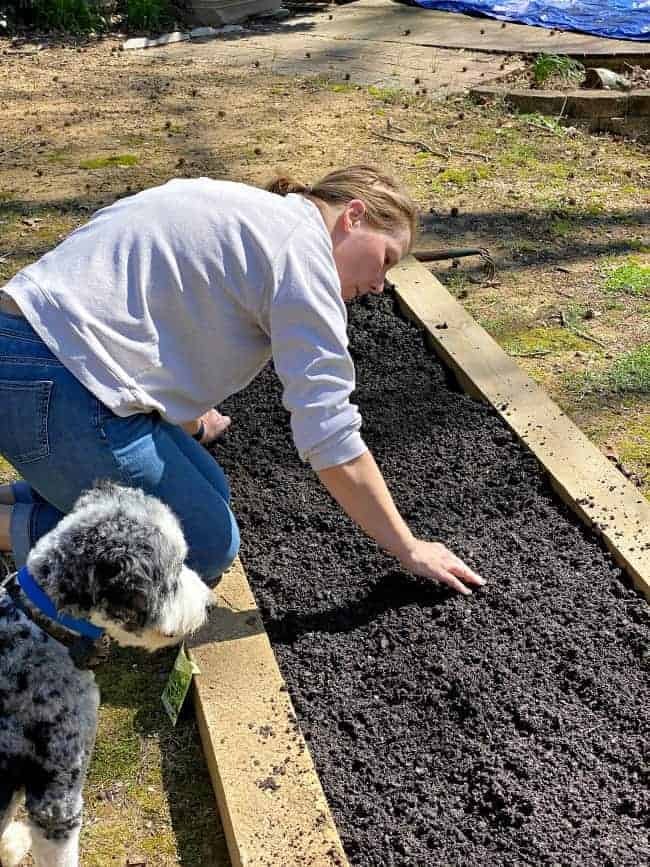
column 318, row 830
column 454, row 362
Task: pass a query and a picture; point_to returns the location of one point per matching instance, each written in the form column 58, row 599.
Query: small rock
column 278, row 14
column 204, row 33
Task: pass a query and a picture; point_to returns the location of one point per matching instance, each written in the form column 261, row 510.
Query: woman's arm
column 360, row 489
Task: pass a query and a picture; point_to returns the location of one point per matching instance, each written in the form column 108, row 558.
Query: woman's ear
column 353, row 213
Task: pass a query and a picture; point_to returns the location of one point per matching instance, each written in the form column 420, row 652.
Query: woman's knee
column 211, row 555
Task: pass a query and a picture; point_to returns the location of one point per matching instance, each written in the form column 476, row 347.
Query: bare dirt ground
column 564, row 214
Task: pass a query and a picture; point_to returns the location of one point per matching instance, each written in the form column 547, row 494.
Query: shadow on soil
column 392, row 592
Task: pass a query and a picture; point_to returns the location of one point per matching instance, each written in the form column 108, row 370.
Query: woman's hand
column 359, row 488
column 434, row 560
column 213, row 424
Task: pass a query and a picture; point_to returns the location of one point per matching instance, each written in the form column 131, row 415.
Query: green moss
column 560, row 171
column 632, row 278
column 460, row 177
column 524, row 247
column 159, row 844
column 541, row 340
column 390, row 95
column 639, row 245
column 635, row 447
column 561, row 228
column 108, row 162
column 518, row 154
column 341, row 86
column 117, row 751
column 7, row 472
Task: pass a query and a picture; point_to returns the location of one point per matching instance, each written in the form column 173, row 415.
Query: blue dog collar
column 43, row 602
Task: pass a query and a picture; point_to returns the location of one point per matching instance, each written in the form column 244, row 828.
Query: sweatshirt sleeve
column 310, row 352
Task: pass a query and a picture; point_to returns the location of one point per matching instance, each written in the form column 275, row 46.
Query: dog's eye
column 139, row 602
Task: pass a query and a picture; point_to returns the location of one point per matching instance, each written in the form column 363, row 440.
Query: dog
column 115, row 563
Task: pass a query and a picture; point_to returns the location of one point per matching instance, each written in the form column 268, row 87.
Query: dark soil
column 506, row 728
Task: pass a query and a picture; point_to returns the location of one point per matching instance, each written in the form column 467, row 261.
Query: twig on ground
column 586, row 336
column 392, row 125
column 23, row 144
column 459, row 151
column 423, row 146
column 564, row 322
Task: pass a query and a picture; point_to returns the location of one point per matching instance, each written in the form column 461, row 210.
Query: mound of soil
column 506, row 728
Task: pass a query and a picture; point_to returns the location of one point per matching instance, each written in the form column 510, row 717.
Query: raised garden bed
column 505, row 729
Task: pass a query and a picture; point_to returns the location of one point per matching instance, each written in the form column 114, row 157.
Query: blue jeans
column 61, row 439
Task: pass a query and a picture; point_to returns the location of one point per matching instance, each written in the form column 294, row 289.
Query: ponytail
column 388, row 205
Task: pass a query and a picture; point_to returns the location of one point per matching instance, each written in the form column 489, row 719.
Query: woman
column 116, row 346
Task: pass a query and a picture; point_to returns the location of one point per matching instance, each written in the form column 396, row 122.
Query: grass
column 121, row 160
column 544, row 122
column 629, row 374
column 548, row 66
column 631, row 371
column 74, row 16
column 147, row 14
column 631, row 278
column 146, row 775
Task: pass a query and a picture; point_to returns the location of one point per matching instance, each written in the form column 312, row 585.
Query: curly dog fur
column 117, row 560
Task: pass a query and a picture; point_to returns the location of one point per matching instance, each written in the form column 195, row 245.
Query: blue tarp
column 618, row 19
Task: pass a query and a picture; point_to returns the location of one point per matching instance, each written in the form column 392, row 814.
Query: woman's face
column 362, row 254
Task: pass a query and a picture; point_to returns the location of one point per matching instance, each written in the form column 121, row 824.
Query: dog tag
column 176, row 688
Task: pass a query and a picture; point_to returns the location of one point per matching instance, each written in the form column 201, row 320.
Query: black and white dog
column 115, row 563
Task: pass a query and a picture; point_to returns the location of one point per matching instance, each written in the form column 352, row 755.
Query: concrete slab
column 384, row 20
column 387, row 44
column 573, row 103
column 293, row 50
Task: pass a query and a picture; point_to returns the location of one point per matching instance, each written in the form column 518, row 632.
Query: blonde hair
column 388, row 205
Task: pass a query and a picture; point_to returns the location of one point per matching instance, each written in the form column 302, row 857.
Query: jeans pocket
column 24, row 412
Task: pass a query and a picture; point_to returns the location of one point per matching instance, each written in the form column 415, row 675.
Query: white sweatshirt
column 175, row 298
